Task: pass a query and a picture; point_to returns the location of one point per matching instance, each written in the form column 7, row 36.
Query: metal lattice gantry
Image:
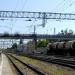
column 37, row 15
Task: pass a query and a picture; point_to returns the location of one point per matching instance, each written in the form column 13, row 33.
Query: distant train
column 61, row 48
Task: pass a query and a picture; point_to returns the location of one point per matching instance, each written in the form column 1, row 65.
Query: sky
column 26, row 27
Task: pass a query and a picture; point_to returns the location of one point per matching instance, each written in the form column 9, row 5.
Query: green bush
column 42, row 43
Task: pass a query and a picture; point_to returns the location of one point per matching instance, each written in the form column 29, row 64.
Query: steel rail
column 62, row 62
column 19, row 72
column 29, row 66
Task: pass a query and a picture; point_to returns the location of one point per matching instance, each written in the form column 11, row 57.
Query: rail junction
column 44, row 16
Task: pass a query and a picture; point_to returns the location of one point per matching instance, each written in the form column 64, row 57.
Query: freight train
column 61, row 48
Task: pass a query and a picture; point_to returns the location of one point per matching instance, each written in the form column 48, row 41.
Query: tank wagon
column 61, row 48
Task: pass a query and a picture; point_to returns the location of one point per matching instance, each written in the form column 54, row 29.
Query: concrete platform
column 5, row 68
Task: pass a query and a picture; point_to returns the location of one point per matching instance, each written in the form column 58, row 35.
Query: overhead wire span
column 16, row 6
column 58, row 5
column 70, row 5
column 25, row 2
column 20, row 10
column 63, row 3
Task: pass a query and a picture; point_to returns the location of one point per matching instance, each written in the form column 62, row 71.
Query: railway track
column 64, row 62
column 23, row 68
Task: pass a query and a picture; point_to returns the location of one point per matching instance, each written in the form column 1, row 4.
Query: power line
column 59, row 4
column 72, row 2
column 22, row 6
column 70, row 5
column 25, row 2
column 16, row 6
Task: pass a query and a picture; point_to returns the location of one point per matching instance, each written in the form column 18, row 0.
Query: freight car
column 61, row 48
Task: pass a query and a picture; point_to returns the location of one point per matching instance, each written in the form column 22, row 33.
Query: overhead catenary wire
column 70, row 5
column 65, row 5
column 58, row 4
column 25, row 2
column 16, row 6
column 61, row 4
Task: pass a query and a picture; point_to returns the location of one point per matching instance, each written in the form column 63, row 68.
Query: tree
column 70, row 32
column 62, row 32
column 66, row 32
column 42, row 43
column 14, row 46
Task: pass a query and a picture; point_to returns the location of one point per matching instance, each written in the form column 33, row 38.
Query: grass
column 23, row 68
column 50, row 69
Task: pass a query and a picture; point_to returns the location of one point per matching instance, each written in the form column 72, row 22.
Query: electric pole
column 54, row 31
